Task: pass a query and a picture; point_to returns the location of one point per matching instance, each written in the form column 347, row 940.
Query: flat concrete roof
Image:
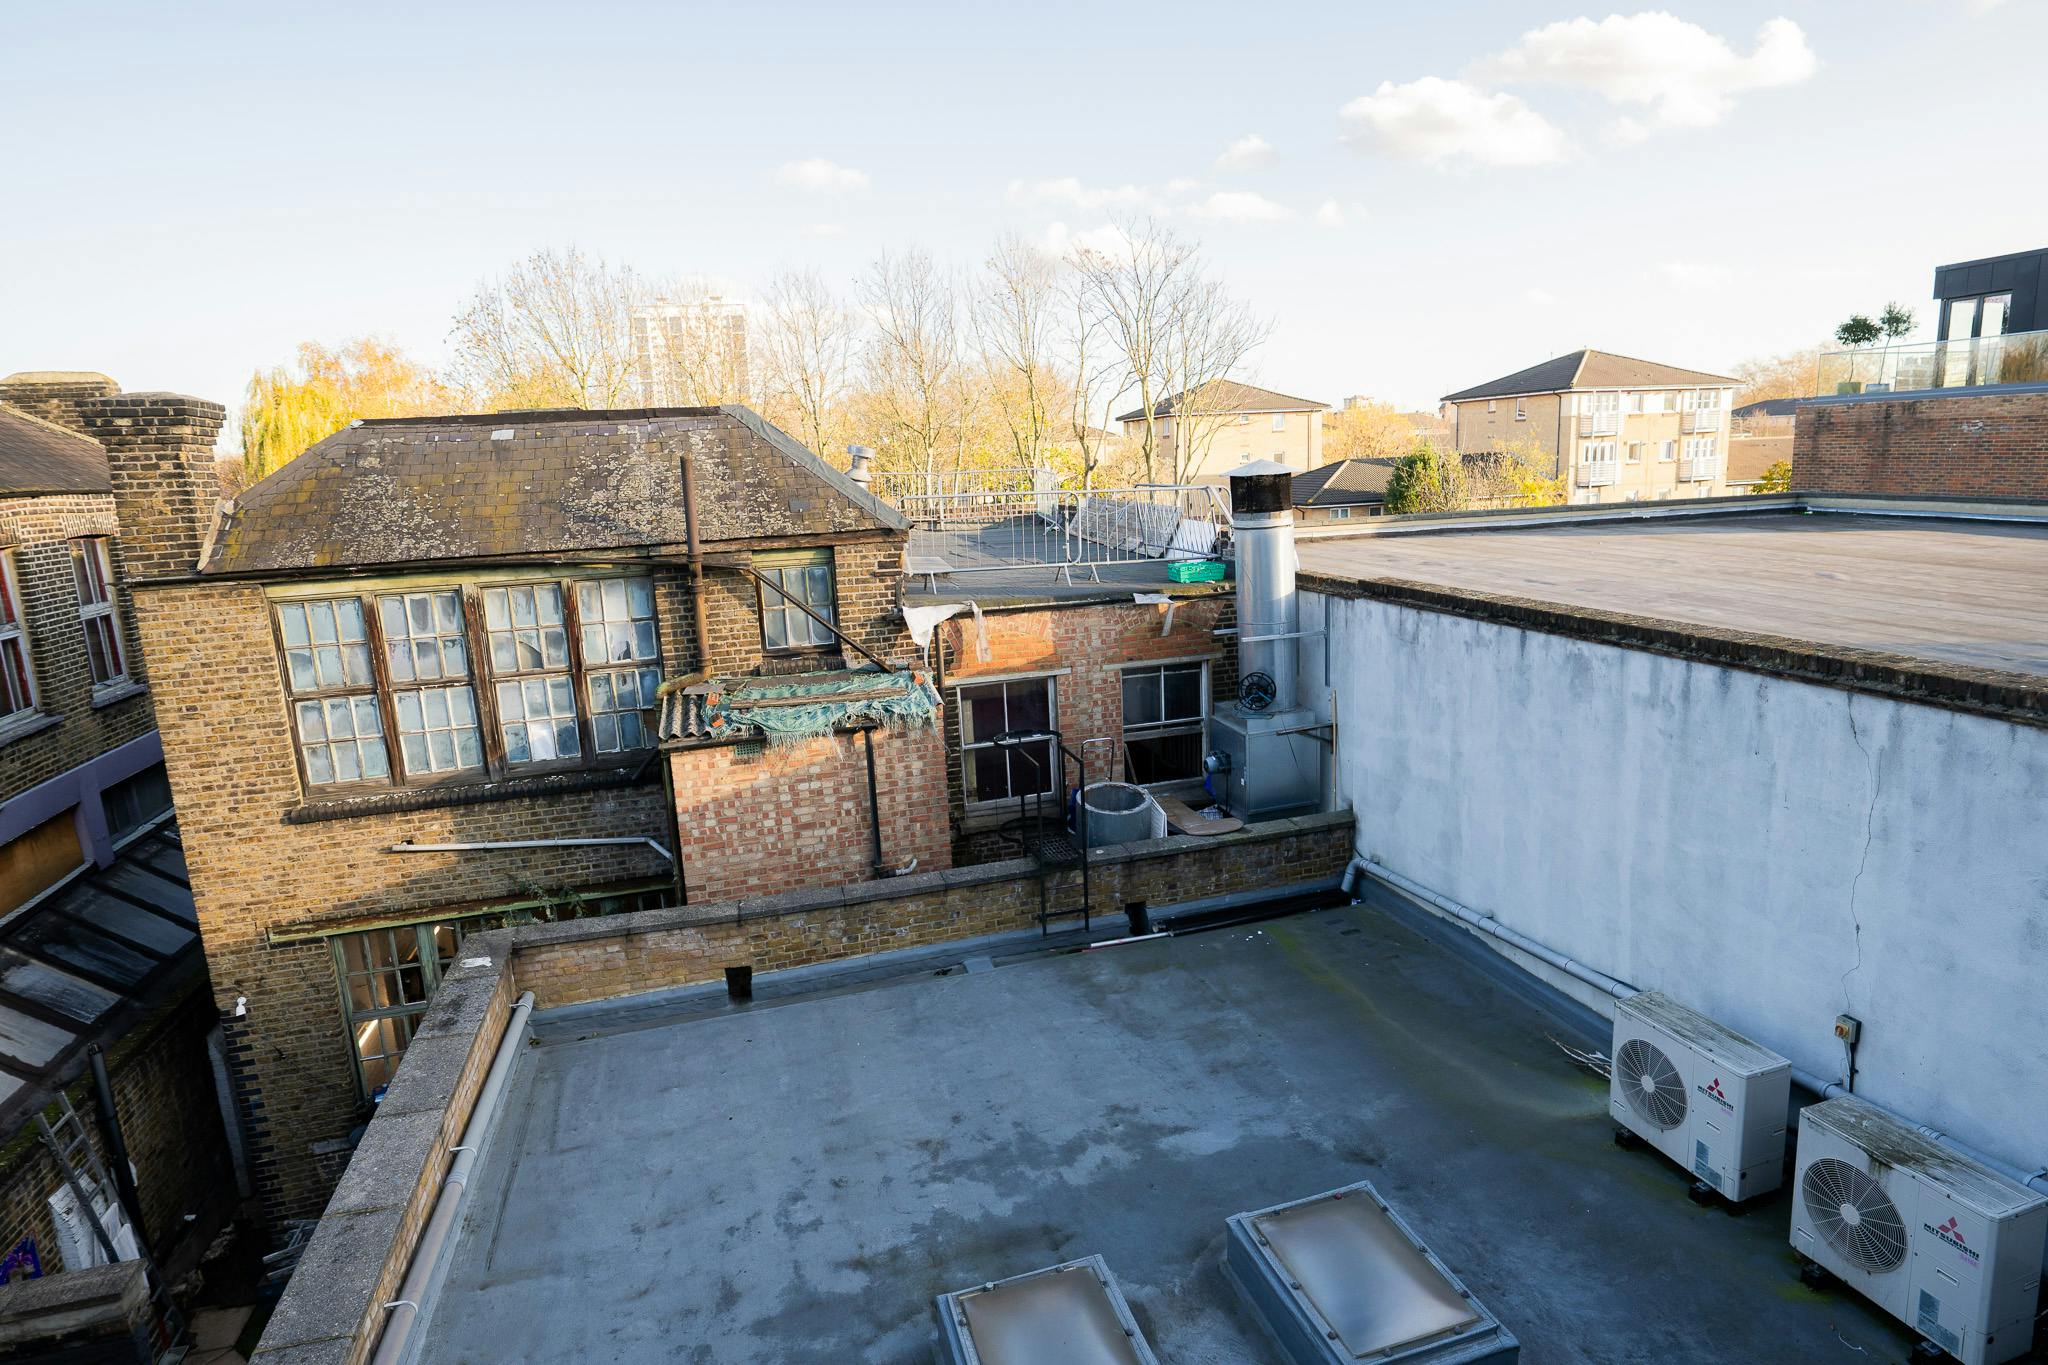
column 1941, row 591
column 796, row 1179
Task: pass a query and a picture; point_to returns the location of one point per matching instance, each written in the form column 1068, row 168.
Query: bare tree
column 556, row 331
column 1176, row 329
column 1098, row 374
column 912, row 362
column 1208, row 336
column 1014, row 327
column 1128, row 289
column 806, row 347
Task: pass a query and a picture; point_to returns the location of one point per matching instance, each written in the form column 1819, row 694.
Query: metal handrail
column 990, row 531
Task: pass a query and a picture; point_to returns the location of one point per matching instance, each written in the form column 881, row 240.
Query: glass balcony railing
column 2018, row 358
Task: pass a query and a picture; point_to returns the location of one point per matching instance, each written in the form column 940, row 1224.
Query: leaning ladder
column 72, row 1148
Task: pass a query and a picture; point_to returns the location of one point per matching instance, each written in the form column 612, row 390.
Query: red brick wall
column 1090, row 642
column 758, row 819
column 1970, row 445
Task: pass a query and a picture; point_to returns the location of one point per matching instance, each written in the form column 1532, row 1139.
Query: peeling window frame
column 482, row 680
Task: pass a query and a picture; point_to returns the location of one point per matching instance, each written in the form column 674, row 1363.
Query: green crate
column 1195, row 571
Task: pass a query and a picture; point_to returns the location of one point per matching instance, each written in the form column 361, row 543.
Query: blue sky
column 1443, row 195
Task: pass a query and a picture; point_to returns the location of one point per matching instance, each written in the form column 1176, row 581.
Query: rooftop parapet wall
column 1990, row 443
column 333, row 1309
column 582, row 960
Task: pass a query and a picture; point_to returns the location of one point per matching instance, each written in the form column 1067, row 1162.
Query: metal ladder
column 71, row 1146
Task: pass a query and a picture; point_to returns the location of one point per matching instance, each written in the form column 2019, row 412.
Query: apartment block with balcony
column 1616, row 428
column 1201, row 435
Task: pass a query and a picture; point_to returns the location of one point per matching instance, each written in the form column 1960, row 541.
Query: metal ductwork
column 1265, row 760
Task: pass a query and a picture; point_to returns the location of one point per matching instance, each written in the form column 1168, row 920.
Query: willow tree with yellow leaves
column 290, row 407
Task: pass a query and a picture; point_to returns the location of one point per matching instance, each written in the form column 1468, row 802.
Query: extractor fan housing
column 1703, row 1095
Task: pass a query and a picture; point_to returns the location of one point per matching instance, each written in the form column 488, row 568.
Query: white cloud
column 1241, row 206
column 1062, row 241
column 1684, row 76
column 1333, row 214
column 820, row 174
column 1444, row 121
column 1248, row 153
column 1069, row 190
column 825, row 230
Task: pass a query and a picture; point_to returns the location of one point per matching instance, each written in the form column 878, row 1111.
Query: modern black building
column 1995, row 296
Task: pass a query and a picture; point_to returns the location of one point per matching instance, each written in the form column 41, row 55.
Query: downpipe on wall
column 404, row 1311
column 1360, row 866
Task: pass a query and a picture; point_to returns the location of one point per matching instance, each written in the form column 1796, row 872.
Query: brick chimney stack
column 56, row 395
column 166, row 491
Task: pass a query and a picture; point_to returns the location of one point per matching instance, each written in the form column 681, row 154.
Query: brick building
column 99, row 943
column 413, row 693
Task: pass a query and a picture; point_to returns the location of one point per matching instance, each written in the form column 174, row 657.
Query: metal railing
column 1065, row 529
column 1597, row 473
column 893, row 486
column 1700, row 419
column 1604, row 423
column 2018, row 358
column 1697, row 469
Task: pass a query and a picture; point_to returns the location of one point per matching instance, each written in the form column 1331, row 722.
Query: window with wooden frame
column 387, row 976
column 536, row 694
column 1165, row 713
column 333, row 687
column 92, row 572
column 803, row 577
column 986, row 710
column 17, row 667
column 468, row 682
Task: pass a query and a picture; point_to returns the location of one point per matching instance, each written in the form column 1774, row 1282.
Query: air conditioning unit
column 1703, row 1095
column 1945, row 1245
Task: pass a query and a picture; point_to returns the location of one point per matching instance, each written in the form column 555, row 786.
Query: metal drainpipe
column 694, row 547
column 2036, row 1179
column 117, row 1146
column 874, row 800
column 405, row 1309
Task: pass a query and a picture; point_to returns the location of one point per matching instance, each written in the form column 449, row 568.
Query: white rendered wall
column 1770, row 852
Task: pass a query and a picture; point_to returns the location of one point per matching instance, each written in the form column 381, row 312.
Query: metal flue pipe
column 1262, row 538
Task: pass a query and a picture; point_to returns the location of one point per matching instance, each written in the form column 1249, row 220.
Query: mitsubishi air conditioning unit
column 1945, row 1245
column 1703, row 1095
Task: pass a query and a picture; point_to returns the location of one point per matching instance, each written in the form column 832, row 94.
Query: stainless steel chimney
column 861, row 460
column 1262, row 533
column 1265, row 759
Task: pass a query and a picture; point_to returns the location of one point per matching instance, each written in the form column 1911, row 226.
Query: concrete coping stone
column 429, row 1076
column 331, row 1291
column 387, row 1166
column 30, row 1310
column 315, row 1353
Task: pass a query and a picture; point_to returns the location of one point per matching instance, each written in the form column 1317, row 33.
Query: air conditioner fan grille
column 1854, row 1215
column 1651, row 1083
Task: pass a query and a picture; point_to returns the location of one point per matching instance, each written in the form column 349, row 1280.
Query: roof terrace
column 678, row 1178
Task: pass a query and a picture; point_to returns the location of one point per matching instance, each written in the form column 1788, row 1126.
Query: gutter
column 2035, row 1179
column 404, row 1311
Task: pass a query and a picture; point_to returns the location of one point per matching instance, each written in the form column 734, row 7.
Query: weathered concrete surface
column 1770, row 852
column 793, row 1182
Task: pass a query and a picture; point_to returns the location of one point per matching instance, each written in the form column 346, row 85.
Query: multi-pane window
column 93, row 573
column 1163, row 718
column 470, row 680
column 334, row 691
column 793, row 580
column 17, row 670
column 1668, row 451
column 1635, row 452
column 386, row 977
column 989, row 709
column 618, row 628
column 530, row 659
column 426, row 651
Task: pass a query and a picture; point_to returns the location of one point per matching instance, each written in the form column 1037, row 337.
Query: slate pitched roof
column 1344, row 483
column 1227, row 395
column 1587, row 370
column 41, row 457
column 514, row 485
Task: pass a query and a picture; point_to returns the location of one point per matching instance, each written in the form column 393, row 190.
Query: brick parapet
column 160, row 458
column 1978, row 443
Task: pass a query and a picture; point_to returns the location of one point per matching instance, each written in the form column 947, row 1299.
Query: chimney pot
column 166, row 491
